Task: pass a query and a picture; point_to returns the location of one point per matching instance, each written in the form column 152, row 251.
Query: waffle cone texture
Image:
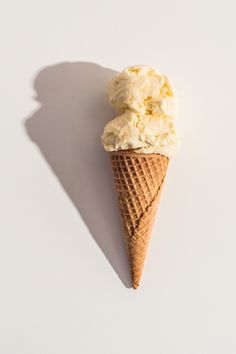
column 138, row 180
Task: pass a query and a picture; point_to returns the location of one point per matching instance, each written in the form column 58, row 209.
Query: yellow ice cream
column 146, row 103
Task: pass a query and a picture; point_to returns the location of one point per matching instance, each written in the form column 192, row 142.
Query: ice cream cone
column 138, row 180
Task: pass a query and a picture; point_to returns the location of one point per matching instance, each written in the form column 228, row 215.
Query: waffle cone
column 138, row 180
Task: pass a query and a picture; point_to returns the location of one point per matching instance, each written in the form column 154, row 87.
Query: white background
column 64, row 281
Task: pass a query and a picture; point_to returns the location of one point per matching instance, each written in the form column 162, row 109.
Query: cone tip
column 135, row 285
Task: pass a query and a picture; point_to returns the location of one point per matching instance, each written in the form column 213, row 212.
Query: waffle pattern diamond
column 138, row 180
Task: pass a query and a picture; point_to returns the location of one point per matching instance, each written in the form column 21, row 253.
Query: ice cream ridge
column 140, row 140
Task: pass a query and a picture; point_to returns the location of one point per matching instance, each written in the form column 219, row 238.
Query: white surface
column 59, row 289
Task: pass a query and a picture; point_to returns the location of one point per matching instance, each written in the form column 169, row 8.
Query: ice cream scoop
column 146, row 104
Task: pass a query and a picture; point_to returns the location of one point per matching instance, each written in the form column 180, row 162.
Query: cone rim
column 133, row 153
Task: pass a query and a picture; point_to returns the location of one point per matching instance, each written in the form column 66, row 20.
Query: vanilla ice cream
column 146, row 104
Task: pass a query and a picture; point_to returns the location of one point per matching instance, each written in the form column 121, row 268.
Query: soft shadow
column 67, row 128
